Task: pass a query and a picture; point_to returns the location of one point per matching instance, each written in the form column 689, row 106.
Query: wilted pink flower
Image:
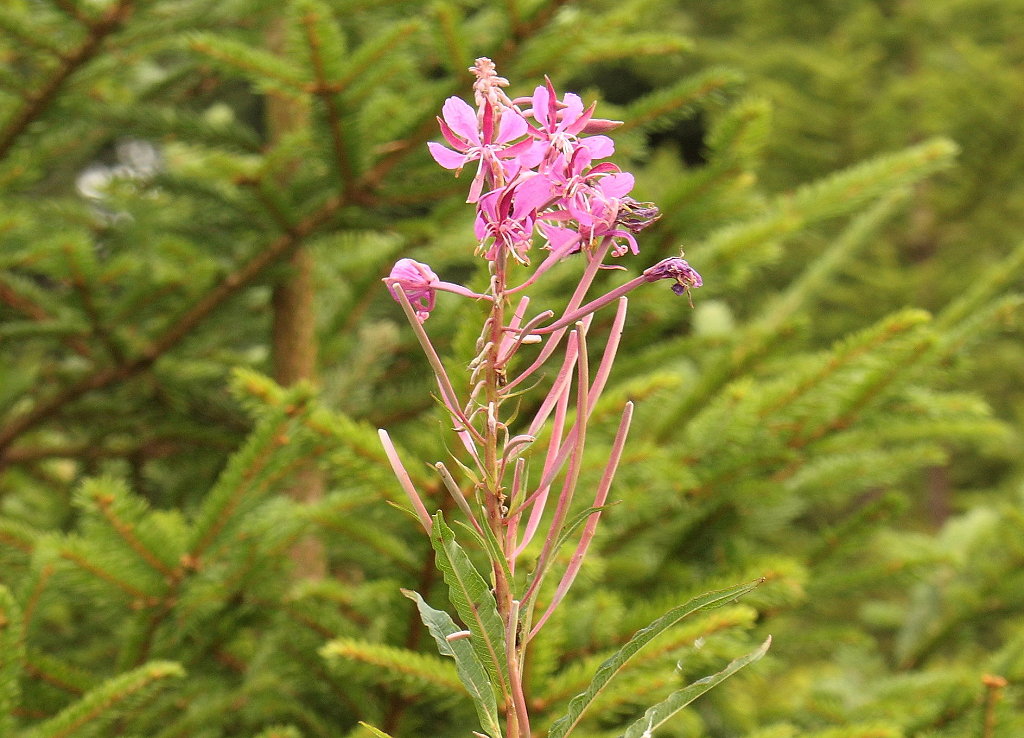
column 676, row 268
column 636, row 216
column 475, row 140
column 595, row 207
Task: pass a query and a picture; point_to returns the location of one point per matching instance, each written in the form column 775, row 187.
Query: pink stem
column 572, row 475
column 597, row 388
column 513, row 324
column 593, row 266
column 553, row 258
column 540, row 497
column 448, row 396
column 515, row 672
column 405, row 481
column 576, row 562
column 512, row 524
column 570, row 317
column 563, row 379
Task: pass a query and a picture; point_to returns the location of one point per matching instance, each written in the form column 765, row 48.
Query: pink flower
column 595, row 208
column 420, row 285
column 474, row 140
column 560, row 124
column 418, row 282
column 507, row 215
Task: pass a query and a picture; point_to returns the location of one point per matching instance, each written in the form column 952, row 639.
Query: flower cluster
column 539, row 178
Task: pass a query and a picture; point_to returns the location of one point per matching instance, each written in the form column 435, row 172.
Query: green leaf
column 374, row 731
column 576, row 521
column 489, row 542
column 660, row 713
column 473, row 601
column 607, row 671
column 471, row 671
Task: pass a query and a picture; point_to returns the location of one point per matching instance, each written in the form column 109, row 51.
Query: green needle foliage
column 840, row 413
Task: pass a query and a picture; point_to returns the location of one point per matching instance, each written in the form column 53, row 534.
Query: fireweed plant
column 539, row 179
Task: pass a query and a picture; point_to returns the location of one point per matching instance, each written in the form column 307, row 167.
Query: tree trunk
column 293, row 339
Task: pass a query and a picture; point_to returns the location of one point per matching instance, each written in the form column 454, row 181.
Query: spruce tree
column 170, row 169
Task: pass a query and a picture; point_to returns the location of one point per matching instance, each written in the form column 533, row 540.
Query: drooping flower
column 421, row 285
column 675, row 268
column 486, row 141
column 636, row 216
column 595, row 207
column 418, row 282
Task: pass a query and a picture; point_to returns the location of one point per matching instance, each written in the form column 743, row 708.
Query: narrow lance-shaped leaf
column 470, row 670
column 473, row 601
column 607, row 671
column 660, row 713
column 374, row 731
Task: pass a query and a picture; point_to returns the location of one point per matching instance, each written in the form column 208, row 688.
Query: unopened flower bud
column 418, row 282
column 600, row 125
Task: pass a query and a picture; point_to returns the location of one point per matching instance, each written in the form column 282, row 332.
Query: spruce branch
column 71, row 9
column 30, row 308
column 174, row 333
column 56, row 673
column 395, row 664
column 25, row 36
column 18, row 535
column 46, row 92
column 43, row 576
column 81, row 284
column 103, row 704
column 681, row 100
column 327, row 91
column 12, row 658
column 84, row 563
column 106, row 503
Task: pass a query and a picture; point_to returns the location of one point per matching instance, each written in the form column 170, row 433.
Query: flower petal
column 572, row 111
column 446, row 157
column 512, row 126
column 616, row 185
column 541, row 100
column 600, row 147
column 461, row 118
column 532, row 194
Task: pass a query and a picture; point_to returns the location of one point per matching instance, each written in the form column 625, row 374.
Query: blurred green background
column 197, row 203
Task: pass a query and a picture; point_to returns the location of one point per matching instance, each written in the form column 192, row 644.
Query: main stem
column 517, row 723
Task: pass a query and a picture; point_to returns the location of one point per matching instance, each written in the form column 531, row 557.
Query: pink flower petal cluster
column 539, row 180
column 537, row 173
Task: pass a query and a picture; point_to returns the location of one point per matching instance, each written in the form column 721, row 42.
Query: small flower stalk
column 544, row 191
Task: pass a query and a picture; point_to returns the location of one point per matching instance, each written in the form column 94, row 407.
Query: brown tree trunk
column 293, row 339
